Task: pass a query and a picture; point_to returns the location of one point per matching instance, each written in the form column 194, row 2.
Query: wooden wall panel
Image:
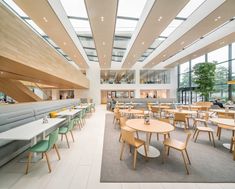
column 23, row 46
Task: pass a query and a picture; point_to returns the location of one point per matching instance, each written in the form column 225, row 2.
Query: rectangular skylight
column 191, row 6
column 75, row 8
column 35, row 26
column 171, row 27
column 81, row 25
column 157, row 42
column 125, row 25
column 90, row 52
column 131, row 8
column 15, row 7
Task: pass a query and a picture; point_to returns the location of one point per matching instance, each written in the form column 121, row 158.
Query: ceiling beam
column 102, row 16
column 57, row 29
column 158, row 18
column 210, row 22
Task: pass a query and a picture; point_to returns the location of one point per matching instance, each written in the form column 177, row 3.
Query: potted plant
column 204, row 78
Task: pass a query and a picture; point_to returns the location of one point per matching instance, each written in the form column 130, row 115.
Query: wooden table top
column 224, row 121
column 132, row 111
column 223, row 111
column 155, row 126
column 161, row 106
column 181, row 111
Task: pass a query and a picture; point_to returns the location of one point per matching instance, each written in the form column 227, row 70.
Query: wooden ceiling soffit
column 159, row 17
column 215, row 19
column 21, row 48
column 44, row 16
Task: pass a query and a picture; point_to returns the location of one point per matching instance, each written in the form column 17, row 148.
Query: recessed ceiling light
column 102, row 19
column 45, row 19
column 74, row 56
column 182, row 43
column 64, row 43
column 104, row 55
column 142, row 43
column 1, row 73
column 164, row 55
column 159, row 19
column 103, row 43
column 133, row 55
column 216, row 19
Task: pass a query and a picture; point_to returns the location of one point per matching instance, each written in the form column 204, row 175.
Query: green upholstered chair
column 78, row 120
column 65, row 129
column 43, row 147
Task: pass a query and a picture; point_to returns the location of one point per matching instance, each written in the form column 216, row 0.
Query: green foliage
column 204, row 78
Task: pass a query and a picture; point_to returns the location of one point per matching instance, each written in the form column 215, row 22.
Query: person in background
column 147, row 96
column 113, row 103
column 218, row 102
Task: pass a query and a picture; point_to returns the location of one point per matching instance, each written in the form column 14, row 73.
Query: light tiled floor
column 80, row 166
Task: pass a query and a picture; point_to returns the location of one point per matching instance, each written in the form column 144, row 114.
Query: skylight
column 77, row 14
column 75, row 8
column 35, row 26
column 131, row 8
column 171, row 27
column 190, row 8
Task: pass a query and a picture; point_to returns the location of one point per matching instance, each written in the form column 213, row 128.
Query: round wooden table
column 224, row 121
column 181, row 111
column 155, row 126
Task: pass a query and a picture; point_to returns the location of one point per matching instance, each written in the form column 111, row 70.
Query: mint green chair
column 43, row 147
column 65, row 129
column 78, row 119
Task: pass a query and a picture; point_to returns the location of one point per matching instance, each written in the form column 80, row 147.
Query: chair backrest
column 123, row 120
column 225, row 115
column 179, row 117
column 53, row 114
column 185, row 108
column 71, row 125
column 128, row 135
column 53, row 137
column 206, row 116
column 155, row 109
column 204, row 108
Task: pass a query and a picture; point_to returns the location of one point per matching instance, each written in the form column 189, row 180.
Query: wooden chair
column 204, row 129
column 180, row 118
column 122, row 124
column 128, row 138
column 228, row 115
column 117, row 115
column 43, row 147
column 156, row 110
column 177, row 145
column 204, row 119
column 219, row 130
column 65, row 129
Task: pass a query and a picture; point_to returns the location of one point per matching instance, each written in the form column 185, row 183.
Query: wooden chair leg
column 122, row 150
column 67, row 140
column 164, row 154
column 48, row 163
column 169, row 136
column 135, row 157
column 72, row 135
column 187, row 156
column 213, row 140
column 145, row 151
column 168, row 151
column 150, row 136
column 219, row 135
column 28, row 163
column 185, row 164
column 137, row 134
column 120, row 137
column 231, row 146
column 196, row 135
column 209, row 136
column 57, row 151
column 61, row 137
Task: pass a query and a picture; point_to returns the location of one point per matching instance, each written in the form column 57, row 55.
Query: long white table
column 71, row 112
column 30, row 131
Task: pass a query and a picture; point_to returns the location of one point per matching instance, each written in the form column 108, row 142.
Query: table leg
column 152, row 152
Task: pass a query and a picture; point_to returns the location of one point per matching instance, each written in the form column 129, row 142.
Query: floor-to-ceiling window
column 224, row 58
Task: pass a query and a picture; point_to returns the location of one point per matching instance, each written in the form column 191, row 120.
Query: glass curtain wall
column 224, row 58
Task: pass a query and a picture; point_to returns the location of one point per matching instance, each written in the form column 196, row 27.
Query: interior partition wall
column 224, row 59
